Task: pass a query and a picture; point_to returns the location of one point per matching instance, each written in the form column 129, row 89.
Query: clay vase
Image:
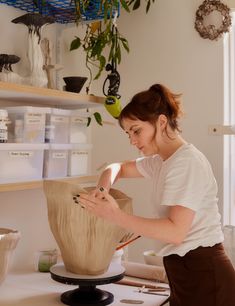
column 87, row 243
column 8, row 242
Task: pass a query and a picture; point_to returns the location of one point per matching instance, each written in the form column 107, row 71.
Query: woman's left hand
column 104, row 206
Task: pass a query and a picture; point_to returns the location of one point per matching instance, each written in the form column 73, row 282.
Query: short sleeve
column 148, row 166
column 185, row 183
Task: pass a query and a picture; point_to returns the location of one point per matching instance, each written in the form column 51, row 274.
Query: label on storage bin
column 79, row 152
column 24, row 154
column 79, row 120
column 59, row 119
column 34, row 118
column 59, row 155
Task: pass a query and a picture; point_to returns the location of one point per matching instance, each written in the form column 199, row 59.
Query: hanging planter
column 103, row 43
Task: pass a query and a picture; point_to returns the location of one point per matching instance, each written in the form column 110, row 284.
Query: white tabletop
column 38, row 289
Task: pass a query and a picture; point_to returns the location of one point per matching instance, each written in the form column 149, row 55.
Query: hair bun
column 157, row 88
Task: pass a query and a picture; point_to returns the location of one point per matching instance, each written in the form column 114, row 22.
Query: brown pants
column 203, row 277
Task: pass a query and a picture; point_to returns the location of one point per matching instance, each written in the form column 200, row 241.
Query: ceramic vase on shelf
column 8, row 242
column 6, row 72
column 87, row 243
column 35, row 22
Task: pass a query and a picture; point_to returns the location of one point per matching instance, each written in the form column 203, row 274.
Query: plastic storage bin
column 79, row 159
column 27, row 124
column 78, row 132
column 56, row 161
column 57, row 125
column 21, row 162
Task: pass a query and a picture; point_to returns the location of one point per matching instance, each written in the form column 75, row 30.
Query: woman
column 187, row 223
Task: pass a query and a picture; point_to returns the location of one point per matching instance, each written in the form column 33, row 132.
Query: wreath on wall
column 210, row 31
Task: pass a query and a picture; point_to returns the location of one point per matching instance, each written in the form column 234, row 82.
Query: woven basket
column 8, row 242
column 87, row 243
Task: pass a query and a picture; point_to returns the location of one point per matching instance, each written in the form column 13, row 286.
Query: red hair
column 149, row 104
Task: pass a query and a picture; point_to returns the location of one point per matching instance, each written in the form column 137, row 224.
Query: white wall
column 165, row 48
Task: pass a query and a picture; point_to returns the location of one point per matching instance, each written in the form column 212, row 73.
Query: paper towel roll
column 144, row 271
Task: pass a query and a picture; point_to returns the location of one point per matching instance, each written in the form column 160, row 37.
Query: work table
column 38, row 289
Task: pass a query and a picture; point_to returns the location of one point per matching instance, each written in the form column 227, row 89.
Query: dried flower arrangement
column 210, row 31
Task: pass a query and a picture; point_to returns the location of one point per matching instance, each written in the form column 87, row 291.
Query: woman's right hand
column 97, row 192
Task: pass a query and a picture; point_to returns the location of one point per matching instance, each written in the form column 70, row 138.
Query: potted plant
column 103, row 43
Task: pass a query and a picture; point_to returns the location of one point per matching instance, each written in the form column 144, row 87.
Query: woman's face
column 142, row 135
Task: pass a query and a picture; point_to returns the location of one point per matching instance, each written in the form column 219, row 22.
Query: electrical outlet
column 219, row 130
column 215, row 129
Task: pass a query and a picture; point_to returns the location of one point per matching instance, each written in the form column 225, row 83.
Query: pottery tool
column 130, row 301
column 154, row 293
column 141, row 284
column 126, row 243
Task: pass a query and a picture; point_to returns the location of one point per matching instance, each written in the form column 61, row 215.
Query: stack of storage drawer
column 44, row 142
column 21, row 159
column 57, row 135
column 79, row 155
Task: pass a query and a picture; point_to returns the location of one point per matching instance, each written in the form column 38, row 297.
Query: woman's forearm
column 113, row 172
column 172, row 229
column 158, row 229
column 109, row 176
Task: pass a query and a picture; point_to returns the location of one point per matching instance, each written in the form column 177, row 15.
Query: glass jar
column 45, row 260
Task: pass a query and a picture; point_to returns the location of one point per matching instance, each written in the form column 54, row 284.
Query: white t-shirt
column 185, row 179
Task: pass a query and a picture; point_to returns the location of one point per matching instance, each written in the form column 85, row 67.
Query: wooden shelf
column 39, row 183
column 16, row 94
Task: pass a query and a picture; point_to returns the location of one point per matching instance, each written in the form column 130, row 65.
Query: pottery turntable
column 87, row 293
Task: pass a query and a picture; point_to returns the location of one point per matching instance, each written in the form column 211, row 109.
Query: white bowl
column 8, row 242
column 117, row 256
column 151, row 258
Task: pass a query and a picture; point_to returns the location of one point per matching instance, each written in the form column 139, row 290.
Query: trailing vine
column 101, row 44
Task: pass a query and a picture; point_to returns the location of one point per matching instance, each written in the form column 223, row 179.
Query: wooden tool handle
column 140, row 284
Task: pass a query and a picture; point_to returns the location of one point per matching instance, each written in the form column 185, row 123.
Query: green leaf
column 148, row 6
column 75, row 44
column 118, row 54
column 129, row 3
column 88, row 121
column 98, row 47
column 102, row 61
column 125, row 44
column 111, row 53
column 98, row 118
column 125, row 6
column 136, row 5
